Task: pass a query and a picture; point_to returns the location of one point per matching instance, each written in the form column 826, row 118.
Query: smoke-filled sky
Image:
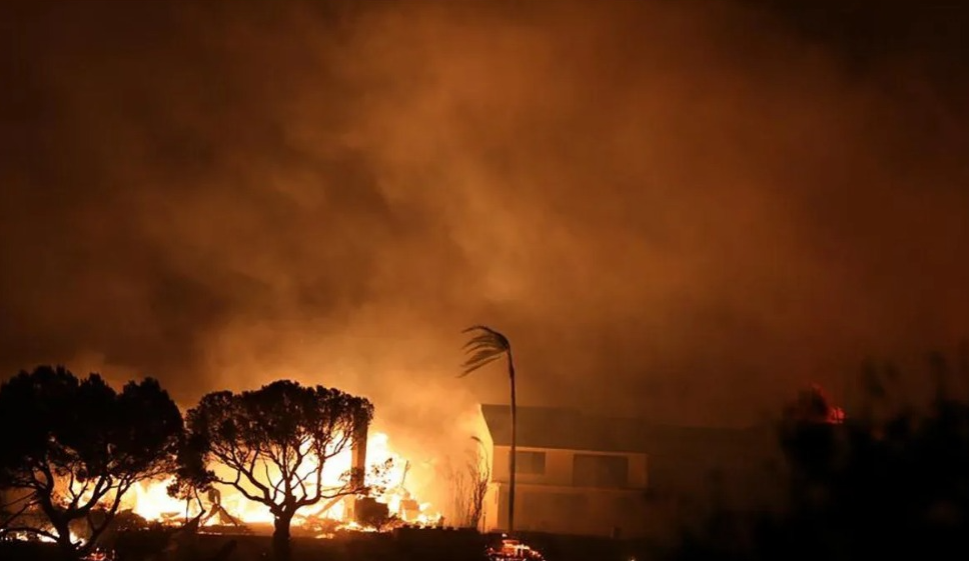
column 681, row 209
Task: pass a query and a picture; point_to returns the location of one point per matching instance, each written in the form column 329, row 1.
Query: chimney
column 356, row 505
column 358, row 448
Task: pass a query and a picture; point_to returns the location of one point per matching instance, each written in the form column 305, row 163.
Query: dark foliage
column 192, row 475
column 276, row 442
column 70, row 449
column 865, row 489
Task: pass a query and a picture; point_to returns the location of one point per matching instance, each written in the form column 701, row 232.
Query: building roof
column 571, row 429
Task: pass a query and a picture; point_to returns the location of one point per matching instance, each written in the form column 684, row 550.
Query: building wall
column 558, row 467
column 567, row 510
column 552, row 502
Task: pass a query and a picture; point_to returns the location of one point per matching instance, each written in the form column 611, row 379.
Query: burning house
column 370, row 462
column 592, row 475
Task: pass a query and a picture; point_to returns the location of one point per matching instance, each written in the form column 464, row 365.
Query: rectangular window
column 530, row 463
column 597, row 470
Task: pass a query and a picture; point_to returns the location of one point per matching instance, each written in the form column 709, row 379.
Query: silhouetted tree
column 873, row 487
column 469, row 485
column 485, row 347
column 276, row 441
column 480, row 473
column 192, row 476
column 814, row 407
column 75, row 447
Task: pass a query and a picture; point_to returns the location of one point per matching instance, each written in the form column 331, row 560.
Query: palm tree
column 485, row 347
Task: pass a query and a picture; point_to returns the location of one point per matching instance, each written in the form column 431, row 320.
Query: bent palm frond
column 485, row 347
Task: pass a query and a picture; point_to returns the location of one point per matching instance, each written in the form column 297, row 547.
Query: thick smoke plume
column 685, row 210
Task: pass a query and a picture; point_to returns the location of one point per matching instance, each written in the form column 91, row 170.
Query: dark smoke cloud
column 681, row 209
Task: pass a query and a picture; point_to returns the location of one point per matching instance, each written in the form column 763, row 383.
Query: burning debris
column 511, row 549
column 223, row 510
column 388, row 504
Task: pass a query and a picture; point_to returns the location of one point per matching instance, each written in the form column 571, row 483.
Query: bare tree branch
column 17, row 514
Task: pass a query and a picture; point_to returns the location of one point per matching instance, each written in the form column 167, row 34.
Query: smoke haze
column 680, row 209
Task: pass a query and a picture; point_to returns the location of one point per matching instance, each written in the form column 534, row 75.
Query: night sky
column 685, row 210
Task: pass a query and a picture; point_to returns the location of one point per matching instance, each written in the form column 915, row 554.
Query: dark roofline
column 573, row 429
column 499, row 408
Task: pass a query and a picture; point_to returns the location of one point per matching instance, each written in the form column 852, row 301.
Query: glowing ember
column 30, row 536
column 511, row 549
column 814, row 406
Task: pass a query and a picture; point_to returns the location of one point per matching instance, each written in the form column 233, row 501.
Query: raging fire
column 223, row 506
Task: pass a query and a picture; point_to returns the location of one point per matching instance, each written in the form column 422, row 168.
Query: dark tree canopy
column 813, row 406
column 75, row 447
column 192, row 475
column 867, row 488
column 276, row 441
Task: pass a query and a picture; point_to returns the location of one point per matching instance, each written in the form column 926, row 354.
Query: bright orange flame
column 152, row 502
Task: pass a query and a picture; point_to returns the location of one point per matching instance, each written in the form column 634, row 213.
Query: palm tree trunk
column 514, row 446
